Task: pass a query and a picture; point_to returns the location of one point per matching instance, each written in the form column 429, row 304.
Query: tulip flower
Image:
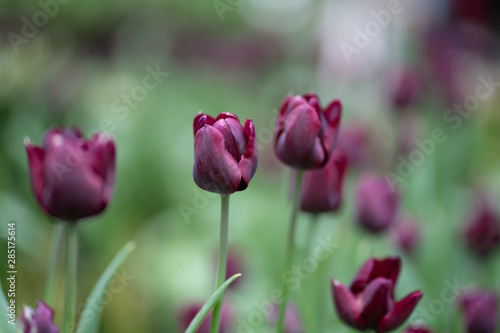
column 369, row 303
column 481, row 311
column 377, row 203
column 353, row 139
column 407, row 234
column 404, row 88
column 417, row 329
column 482, row 234
column 40, row 320
column 72, row 178
column 322, row 188
column 225, row 153
column 305, row 134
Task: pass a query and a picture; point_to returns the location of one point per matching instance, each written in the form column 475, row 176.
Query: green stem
column 54, row 258
column 222, row 260
column 71, row 277
column 290, row 246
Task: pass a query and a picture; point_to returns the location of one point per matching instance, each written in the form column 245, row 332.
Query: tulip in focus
column 481, row 311
column 369, row 302
column 482, row 234
column 322, row 188
column 40, row 320
column 305, row 134
column 72, row 178
column 377, row 203
column 225, row 153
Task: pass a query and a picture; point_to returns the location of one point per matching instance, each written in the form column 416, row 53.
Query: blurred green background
column 241, row 57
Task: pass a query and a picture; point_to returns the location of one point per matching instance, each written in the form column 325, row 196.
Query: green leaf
column 4, row 325
column 91, row 314
column 200, row 316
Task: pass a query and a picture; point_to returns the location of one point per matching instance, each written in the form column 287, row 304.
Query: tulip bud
column 188, row 313
column 369, row 302
column 322, row 188
column 404, row 88
column 41, row 320
column 481, row 311
column 293, row 323
column 482, row 234
column 376, row 203
column 225, row 153
column 305, row 134
column 407, row 235
column 72, row 178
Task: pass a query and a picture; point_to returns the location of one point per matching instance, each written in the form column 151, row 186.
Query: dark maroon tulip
column 417, row 329
column 189, row 312
column 377, row 203
column 40, row 320
column 481, row 311
column 482, row 234
column 72, row 177
column 404, row 88
column 369, row 303
column 305, row 134
column 293, row 323
column 225, row 153
column 322, row 188
column 407, row 234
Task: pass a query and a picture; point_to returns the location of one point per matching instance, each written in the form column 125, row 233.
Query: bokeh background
column 80, row 62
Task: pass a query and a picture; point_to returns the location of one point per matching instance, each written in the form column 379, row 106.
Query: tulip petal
column 235, row 140
column 348, row 308
column 285, row 103
column 387, row 268
column 399, row 313
column 36, row 157
column 249, row 160
column 104, row 163
column 200, row 120
column 299, row 145
column 377, row 301
column 214, row 170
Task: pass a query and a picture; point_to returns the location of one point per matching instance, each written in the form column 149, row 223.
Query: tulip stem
column 222, row 260
column 290, row 247
column 71, row 277
column 52, row 267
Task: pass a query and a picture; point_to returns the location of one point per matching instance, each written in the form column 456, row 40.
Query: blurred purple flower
column 293, row 323
column 225, row 153
column 369, row 303
column 482, row 233
column 305, row 134
column 72, row 178
column 481, row 311
column 417, row 329
column 406, row 234
column 404, row 88
column 322, row 188
column 40, row 320
column 376, row 203
column 353, row 139
column 188, row 313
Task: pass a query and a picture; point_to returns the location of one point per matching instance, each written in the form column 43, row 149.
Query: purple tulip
column 225, row 153
column 72, row 177
column 481, row 311
column 482, row 234
column 293, row 323
column 322, row 188
column 377, row 203
column 188, row 313
column 41, row 320
column 353, row 139
column 407, row 234
column 305, row 134
column 404, row 88
column 369, row 303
